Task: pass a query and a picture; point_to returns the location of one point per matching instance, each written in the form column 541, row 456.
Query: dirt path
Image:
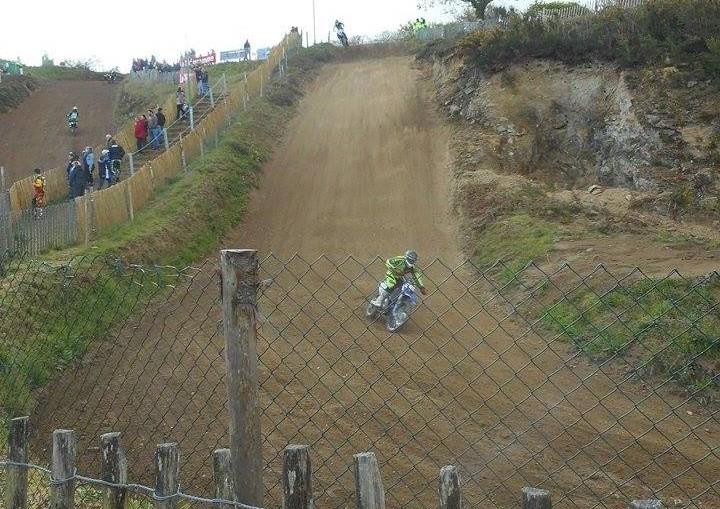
column 363, row 172
column 35, row 134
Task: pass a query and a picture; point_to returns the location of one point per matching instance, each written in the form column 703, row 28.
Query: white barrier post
column 165, row 138
column 132, row 164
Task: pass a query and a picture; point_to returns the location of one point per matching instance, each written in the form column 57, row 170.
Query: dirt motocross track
column 365, row 171
column 35, row 134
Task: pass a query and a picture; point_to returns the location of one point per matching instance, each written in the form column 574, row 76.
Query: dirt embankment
column 35, row 134
column 557, row 130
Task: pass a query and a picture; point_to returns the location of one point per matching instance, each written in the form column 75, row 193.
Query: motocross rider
column 397, row 268
column 73, row 116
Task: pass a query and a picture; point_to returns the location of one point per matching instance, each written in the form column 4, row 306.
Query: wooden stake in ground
column 239, row 272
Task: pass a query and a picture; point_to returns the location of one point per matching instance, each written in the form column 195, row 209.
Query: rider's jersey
column 73, row 116
column 397, row 268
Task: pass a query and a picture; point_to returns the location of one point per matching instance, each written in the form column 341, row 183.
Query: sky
column 113, row 33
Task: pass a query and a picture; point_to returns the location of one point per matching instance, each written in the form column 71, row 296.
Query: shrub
column 645, row 34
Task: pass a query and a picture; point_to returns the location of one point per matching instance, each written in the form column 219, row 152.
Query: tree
column 478, row 6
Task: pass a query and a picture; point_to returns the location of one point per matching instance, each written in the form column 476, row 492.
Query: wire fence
column 597, row 386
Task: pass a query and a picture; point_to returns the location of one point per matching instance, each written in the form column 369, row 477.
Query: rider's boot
column 382, row 295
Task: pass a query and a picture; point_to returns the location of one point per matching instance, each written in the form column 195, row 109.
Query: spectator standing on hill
column 199, row 81
column 160, row 125
column 116, row 153
column 76, row 179
column 38, row 199
column 152, row 129
column 140, row 132
column 180, row 101
column 72, row 156
column 205, row 80
column 105, row 173
column 89, row 162
column 247, row 49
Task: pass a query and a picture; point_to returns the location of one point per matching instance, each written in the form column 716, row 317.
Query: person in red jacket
column 141, row 132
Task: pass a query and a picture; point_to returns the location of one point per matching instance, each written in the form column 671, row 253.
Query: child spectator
column 38, row 200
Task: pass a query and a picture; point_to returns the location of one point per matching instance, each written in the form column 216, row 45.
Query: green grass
column 516, row 240
column 234, row 71
column 666, row 326
column 136, row 97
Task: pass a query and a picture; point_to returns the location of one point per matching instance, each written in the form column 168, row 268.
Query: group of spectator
column 150, row 126
column 142, row 64
column 86, row 171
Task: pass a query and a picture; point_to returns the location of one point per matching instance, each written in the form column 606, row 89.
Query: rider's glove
column 423, row 291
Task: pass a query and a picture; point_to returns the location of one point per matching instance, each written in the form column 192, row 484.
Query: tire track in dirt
column 364, row 172
column 35, row 134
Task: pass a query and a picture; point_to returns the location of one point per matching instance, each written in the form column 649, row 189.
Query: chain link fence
column 598, row 386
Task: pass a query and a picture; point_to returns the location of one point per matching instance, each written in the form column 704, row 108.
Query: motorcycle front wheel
column 397, row 318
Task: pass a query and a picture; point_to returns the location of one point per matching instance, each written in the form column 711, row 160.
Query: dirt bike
column 110, row 77
column 73, row 125
column 342, row 37
column 397, row 308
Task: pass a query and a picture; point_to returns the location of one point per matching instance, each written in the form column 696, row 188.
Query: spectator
column 152, row 130
column 160, row 124
column 83, row 160
column 205, row 80
column 38, row 199
column 105, row 173
column 140, row 132
column 116, row 153
column 89, row 164
column 199, row 81
column 76, row 180
column 72, row 157
column 247, row 49
column 180, row 101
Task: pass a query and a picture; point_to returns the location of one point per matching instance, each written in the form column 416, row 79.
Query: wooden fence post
column 192, row 118
column 62, row 491
column 369, row 490
column 646, row 504
column 182, row 155
column 222, row 474
column 297, row 478
column 449, row 490
column 167, row 473
column 131, row 160
column 239, row 273
column 17, row 477
column 129, row 198
column 536, row 499
column 165, row 139
column 2, row 179
column 114, row 470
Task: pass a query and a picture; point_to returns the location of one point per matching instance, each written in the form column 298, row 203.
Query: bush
column 656, row 30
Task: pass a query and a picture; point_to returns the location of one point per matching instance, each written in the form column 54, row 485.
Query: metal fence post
column 222, row 475
column 17, row 477
column 536, row 499
column 114, row 470
column 167, row 474
column 129, row 198
column 297, row 478
column 369, row 489
column 192, row 118
column 165, row 139
column 239, row 280
column 62, row 491
column 131, row 160
column 449, row 490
